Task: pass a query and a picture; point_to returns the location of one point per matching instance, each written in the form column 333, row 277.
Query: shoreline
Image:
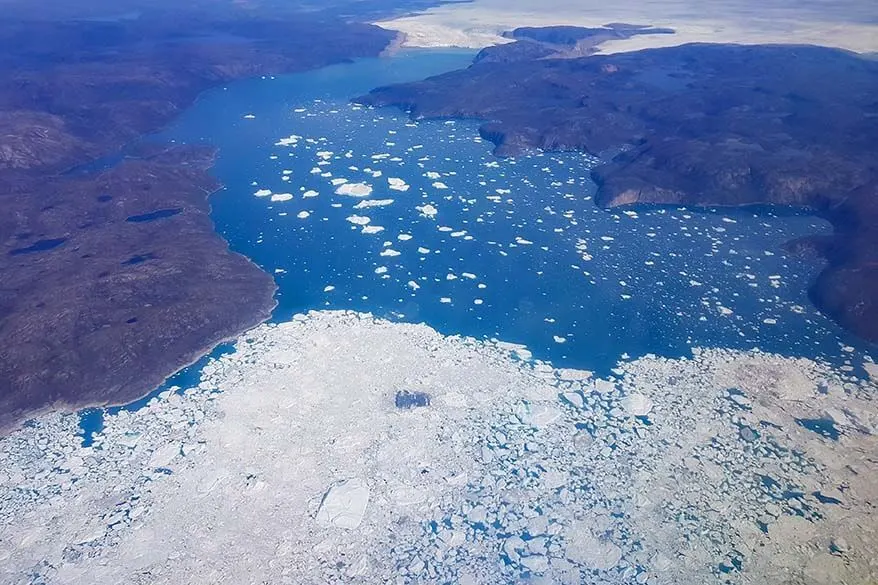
column 168, row 317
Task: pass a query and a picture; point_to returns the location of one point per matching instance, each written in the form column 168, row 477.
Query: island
column 701, row 125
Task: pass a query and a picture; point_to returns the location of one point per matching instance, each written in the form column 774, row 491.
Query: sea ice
column 427, row 211
column 344, row 504
column 358, row 219
column 354, row 190
column 397, row 184
column 299, row 440
column 367, row 203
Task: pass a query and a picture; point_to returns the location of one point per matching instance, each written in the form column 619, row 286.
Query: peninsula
column 701, row 125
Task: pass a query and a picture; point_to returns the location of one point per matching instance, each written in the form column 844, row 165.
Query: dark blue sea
column 351, row 207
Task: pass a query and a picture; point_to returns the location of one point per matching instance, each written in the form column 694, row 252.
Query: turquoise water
column 516, row 250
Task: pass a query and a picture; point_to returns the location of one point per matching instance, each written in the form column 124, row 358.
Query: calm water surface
column 473, row 244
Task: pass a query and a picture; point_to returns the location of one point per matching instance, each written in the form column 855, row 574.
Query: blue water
column 500, row 257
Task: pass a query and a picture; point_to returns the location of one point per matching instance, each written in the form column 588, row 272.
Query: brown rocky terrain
column 700, row 125
column 113, row 276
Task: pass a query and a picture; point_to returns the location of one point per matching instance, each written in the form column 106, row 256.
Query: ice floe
column 427, row 210
column 397, row 184
column 358, row 219
column 367, row 203
column 354, row 190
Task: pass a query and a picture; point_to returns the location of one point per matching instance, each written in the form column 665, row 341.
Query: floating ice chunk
column 162, row 456
column 344, row 504
column 469, row 275
column 397, row 184
column 423, row 250
column 404, row 237
column 445, row 300
column 413, row 285
column 724, row 310
column 303, row 214
column 432, row 175
column 338, row 181
column 522, row 242
column 478, row 301
column 440, row 185
column 585, row 548
column 770, row 321
column 316, row 171
column 427, row 211
column 286, row 172
column 299, row 110
column 381, row 270
column 518, row 349
column 637, row 404
column 354, row 190
column 328, row 288
column 367, row 203
column 309, row 193
column 539, row 414
column 263, row 193
column 582, row 249
column 358, row 219
column 324, row 154
column 389, row 252
column 559, row 339
column 281, row 196
column 371, row 229
column 249, row 116
column 288, row 141
column 450, row 276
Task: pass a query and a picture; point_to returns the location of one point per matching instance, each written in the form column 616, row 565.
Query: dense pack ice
column 337, row 448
